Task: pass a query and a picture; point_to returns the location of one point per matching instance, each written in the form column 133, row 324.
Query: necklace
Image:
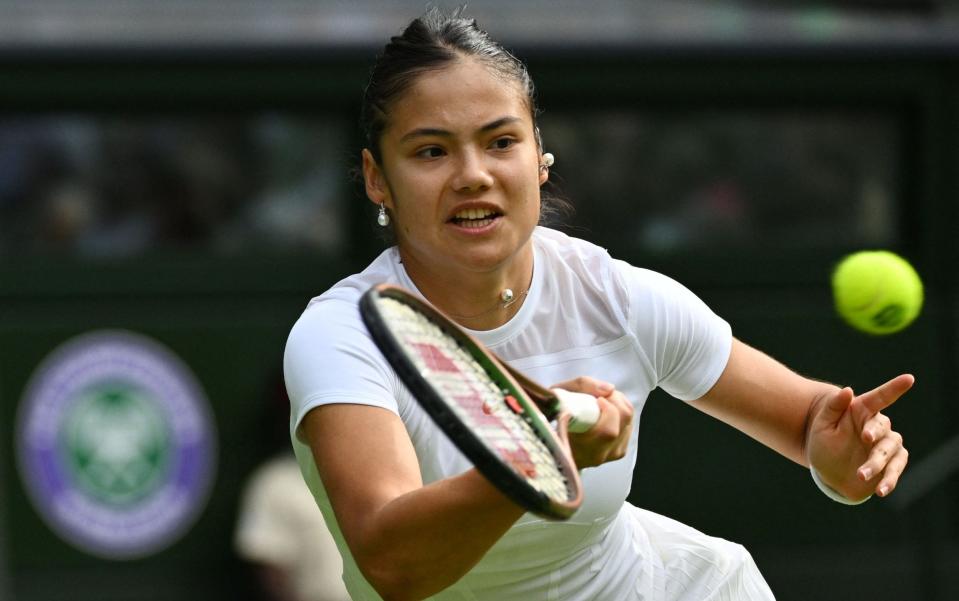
column 506, row 298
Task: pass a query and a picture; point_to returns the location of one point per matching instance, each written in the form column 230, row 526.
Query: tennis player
column 455, row 163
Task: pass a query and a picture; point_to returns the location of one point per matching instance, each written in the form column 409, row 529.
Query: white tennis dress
column 586, row 314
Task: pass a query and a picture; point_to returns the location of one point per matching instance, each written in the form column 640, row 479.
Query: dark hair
column 429, row 43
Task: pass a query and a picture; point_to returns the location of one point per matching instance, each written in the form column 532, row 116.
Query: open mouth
column 474, row 218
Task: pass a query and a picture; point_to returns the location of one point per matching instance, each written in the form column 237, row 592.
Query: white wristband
column 831, row 493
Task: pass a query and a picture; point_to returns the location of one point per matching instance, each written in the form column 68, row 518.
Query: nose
column 472, row 174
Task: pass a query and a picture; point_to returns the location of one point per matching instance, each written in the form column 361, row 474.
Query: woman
column 455, row 163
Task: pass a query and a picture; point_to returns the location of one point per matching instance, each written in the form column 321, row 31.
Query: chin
column 492, row 259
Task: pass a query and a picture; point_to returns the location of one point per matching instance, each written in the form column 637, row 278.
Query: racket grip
column 582, row 409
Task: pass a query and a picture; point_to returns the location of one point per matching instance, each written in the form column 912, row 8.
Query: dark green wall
column 228, row 317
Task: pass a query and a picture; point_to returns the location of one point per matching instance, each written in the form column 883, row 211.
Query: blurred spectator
column 666, row 181
column 119, row 187
column 280, row 530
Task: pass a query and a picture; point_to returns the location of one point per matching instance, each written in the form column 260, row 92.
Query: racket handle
column 582, row 409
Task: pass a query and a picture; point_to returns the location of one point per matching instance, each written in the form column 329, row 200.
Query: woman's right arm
column 409, row 540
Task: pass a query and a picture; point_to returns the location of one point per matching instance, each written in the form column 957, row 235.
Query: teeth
column 474, row 214
column 476, row 223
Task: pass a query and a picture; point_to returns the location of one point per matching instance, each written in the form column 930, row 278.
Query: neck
column 475, row 299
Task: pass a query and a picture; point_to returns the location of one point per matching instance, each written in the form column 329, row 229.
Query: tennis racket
column 497, row 417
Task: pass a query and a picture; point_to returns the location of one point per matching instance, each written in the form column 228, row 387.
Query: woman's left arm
column 844, row 437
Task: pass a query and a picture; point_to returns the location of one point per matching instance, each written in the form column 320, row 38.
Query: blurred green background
column 183, row 172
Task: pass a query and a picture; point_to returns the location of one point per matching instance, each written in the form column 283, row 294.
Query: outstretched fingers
column 876, row 428
column 886, row 394
column 894, row 468
column 880, row 456
column 834, row 407
column 851, row 433
column 887, row 455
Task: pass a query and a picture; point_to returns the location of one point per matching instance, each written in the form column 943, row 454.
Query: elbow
column 386, row 584
column 393, row 591
column 405, row 570
column 392, row 581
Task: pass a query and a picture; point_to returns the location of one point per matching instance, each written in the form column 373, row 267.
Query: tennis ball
column 877, row 291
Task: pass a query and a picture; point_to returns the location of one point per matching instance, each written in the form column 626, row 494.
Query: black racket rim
column 483, row 458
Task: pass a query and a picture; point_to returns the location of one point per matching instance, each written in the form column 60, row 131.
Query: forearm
column 425, row 540
column 409, row 540
column 766, row 400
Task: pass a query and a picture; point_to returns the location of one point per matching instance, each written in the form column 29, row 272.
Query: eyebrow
column 434, row 131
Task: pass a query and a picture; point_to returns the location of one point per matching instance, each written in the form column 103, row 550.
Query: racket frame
column 482, row 456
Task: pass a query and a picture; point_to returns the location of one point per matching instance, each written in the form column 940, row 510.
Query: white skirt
column 687, row 565
column 636, row 556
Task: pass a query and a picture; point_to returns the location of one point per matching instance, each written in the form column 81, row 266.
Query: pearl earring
column 548, row 160
column 382, row 217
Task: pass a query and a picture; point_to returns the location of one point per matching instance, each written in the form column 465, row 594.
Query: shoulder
column 385, row 268
column 329, row 343
column 335, row 311
column 329, row 355
column 563, row 247
column 574, row 263
column 324, row 325
column 652, row 294
column 579, row 278
column 594, row 260
column 589, row 271
column 646, row 283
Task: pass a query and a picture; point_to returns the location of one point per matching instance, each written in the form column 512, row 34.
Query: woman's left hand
column 608, row 439
column 852, row 445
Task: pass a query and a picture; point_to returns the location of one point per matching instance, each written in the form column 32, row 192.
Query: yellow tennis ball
column 877, row 291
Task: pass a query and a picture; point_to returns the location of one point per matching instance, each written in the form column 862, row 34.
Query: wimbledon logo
column 116, row 444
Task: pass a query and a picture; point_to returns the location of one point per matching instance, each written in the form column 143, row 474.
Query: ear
column 543, row 173
column 376, row 189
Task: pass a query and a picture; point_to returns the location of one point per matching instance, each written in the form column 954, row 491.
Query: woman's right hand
column 608, row 439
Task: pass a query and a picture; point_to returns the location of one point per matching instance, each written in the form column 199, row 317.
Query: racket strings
column 476, row 399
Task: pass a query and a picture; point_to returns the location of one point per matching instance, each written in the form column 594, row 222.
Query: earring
column 383, row 217
column 548, row 160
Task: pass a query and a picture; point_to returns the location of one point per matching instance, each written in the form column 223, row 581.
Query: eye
column 430, row 152
column 503, row 143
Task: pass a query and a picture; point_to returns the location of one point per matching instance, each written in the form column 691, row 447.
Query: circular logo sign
column 116, row 444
